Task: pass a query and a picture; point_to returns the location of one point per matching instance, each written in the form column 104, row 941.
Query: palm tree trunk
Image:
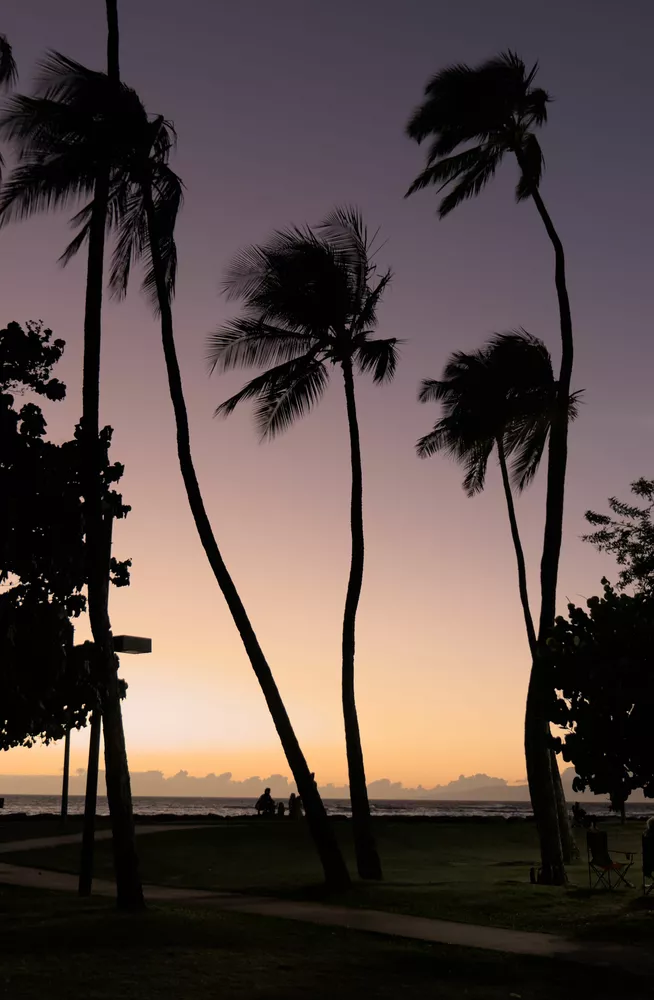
column 98, row 543
column 567, row 840
column 336, row 874
column 537, row 727
column 368, row 863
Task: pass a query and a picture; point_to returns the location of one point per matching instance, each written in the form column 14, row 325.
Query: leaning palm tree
column 311, row 299
column 147, row 200
column 500, row 398
column 72, row 137
column 475, row 117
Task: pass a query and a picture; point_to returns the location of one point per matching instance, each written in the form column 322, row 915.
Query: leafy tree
column 71, row 138
column 143, row 198
column 44, row 683
column 603, row 668
column 311, row 300
column 500, row 397
column 475, row 116
column 629, row 536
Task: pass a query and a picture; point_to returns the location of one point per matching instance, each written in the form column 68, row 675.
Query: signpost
column 122, row 644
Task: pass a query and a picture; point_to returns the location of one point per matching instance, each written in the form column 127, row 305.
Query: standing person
column 295, row 806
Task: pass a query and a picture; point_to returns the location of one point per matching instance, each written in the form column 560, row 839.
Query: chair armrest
column 626, row 854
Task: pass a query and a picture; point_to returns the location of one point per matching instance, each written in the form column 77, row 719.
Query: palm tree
column 71, row 138
column 500, row 397
column 475, row 116
column 147, row 200
column 311, row 299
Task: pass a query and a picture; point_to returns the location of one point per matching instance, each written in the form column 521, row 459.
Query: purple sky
column 283, row 110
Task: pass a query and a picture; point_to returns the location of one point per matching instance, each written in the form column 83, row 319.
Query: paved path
column 13, row 846
column 446, row 932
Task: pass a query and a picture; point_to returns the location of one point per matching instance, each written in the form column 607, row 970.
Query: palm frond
column 44, row 185
column 380, row 357
column 345, row 231
column 290, row 399
column 8, row 67
column 471, row 183
column 285, row 392
column 489, row 109
column 476, row 465
column 295, row 280
column 248, row 342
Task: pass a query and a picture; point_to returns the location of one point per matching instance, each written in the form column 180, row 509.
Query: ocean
column 34, row 805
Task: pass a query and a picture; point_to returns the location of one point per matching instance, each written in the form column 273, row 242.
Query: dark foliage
column 43, row 685
column 311, row 298
column 77, row 121
column 504, row 391
column 628, row 534
column 602, row 663
column 474, row 116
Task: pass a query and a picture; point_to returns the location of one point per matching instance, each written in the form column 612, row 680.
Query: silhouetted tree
column 44, row 686
column 487, row 112
column 311, row 299
column 500, row 397
column 629, row 536
column 603, row 666
column 72, row 137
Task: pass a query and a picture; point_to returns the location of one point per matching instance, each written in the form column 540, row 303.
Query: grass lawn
column 471, row 871
column 57, row 946
column 43, row 826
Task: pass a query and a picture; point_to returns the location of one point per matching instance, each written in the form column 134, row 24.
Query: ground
column 469, row 871
column 58, row 946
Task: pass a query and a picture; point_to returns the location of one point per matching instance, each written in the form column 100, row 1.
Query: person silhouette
column 265, row 804
column 295, row 806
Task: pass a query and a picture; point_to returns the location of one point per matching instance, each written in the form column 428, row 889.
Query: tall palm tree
column 147, row 200
column 143, row 198
column 501, row 398
column 311, row 299
column 72, row 137
column 474, row 117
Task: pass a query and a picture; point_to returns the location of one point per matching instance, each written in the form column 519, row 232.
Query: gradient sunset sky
column 283, row 110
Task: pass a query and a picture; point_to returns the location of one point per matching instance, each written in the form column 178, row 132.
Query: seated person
column 265, row 804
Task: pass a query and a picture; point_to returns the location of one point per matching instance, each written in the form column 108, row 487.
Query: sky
column 284, row 110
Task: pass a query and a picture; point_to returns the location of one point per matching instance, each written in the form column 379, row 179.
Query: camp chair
column 648, row 864
column 601, row 866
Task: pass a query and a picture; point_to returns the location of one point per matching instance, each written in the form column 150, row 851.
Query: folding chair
column 648, row 864
column 607, row 873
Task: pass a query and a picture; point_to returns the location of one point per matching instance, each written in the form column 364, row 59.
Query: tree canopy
column 603, row 668
column 44, row 685
column 628, row 534
column 311, row 299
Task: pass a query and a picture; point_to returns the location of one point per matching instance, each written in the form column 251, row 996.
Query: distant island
column 471, row 788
